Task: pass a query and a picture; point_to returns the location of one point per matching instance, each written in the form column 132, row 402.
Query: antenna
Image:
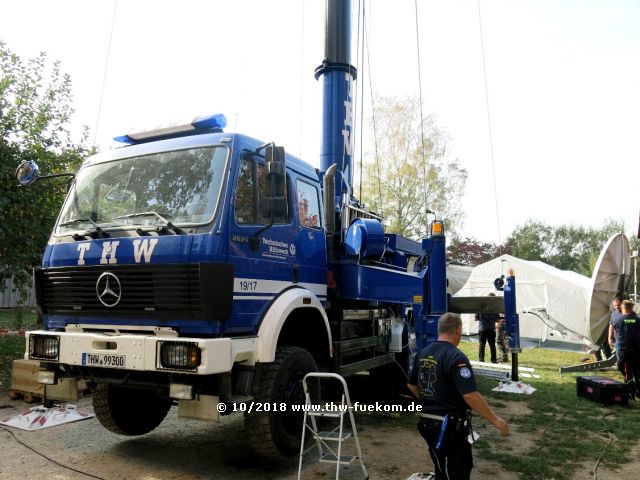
column 609, row 279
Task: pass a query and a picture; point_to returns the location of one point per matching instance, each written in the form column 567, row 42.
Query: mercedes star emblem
column 108, row 289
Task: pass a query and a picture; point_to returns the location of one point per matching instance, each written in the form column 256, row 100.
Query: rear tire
column 276, row 434
column 129, row 411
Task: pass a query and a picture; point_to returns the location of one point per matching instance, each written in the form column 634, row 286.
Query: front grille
column 150, row 290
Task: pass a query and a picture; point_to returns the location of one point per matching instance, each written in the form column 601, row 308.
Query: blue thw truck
column 207, row 269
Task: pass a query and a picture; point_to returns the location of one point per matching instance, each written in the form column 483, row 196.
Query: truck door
column 264, row 253
column 312, row 254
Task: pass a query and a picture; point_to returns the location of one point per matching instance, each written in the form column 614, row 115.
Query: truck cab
column 177, row 264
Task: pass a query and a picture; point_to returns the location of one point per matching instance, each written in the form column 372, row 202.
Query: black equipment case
column 603, row 390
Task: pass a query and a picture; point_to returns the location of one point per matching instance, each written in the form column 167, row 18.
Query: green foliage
column 567, row 247
column 12, row 347
column 35, row 115
column 406, row 175
column 15, row 318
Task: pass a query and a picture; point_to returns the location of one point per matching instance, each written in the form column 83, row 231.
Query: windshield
column 180, row 186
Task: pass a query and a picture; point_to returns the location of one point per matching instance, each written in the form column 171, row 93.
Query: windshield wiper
column 167, row 227
column 96, row 233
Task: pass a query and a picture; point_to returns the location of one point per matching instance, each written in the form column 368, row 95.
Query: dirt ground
column 191, row 449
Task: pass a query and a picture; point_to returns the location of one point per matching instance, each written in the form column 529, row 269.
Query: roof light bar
column 200, row 124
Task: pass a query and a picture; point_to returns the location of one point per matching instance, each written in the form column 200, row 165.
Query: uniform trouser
column 503, row 343
column 453, row 460
column 488, row 336
column 629, row 366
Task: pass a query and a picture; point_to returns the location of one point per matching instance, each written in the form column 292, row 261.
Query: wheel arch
column 295, row 318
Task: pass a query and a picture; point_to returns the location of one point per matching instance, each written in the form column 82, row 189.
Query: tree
column 567, row 247
column 35, row 113
column 408, row 176
column 472, row 251
column 530, row 241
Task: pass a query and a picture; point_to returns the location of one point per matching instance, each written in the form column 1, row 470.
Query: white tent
column 549, row 301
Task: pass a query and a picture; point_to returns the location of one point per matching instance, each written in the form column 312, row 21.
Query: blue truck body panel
column 287, row 254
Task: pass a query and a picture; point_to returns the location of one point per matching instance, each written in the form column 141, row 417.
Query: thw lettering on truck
column 142, row 251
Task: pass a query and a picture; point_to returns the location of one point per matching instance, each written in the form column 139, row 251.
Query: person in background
column 616, row 305
column 605, row 351
column 442, row 379
column 487, row 333
column 502, row 339
column 624, row 331
column 616, row 311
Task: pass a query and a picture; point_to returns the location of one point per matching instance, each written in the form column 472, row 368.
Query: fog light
column 179, row 355
column 179, row 391
column 44, row 347
column 46, row 377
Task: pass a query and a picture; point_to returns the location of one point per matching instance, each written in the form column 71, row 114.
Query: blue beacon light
column 202, row 124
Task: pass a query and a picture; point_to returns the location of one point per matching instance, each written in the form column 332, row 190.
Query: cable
column 555, row 420
column 605, row 429
column 47, row 458
column 349, row 148
column 301, row 83
column 360, row 98
column 106, row 69
column 424, row 160
column 373, row 110
column 493, row 166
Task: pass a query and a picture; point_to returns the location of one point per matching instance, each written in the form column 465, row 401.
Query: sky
column 562, row 85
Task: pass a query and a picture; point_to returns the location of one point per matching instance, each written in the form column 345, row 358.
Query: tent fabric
column 558, row 298
column 457, row 276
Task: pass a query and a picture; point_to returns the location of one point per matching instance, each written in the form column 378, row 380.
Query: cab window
column 308, row 205
column 249, row 189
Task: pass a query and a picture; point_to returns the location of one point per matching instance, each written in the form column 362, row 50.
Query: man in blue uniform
column 443, row 380
column 624, row 332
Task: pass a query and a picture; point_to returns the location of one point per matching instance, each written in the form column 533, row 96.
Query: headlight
column 44, row 347
column 179, row 355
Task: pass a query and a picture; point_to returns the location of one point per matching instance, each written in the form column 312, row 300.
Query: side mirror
column 27, row 172
column 275, row 201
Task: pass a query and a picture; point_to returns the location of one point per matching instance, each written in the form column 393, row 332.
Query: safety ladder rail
column 337, row 434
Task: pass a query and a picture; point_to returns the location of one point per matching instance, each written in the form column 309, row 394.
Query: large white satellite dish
column 609, row 278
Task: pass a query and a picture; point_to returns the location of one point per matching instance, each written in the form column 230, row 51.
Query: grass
column 13, row 318
column 566, row 431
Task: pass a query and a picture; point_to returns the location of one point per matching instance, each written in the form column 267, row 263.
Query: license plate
column 106, row 360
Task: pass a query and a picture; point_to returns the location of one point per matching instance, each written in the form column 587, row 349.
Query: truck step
column 344, row 459
column 332, row 436
column 325, row 413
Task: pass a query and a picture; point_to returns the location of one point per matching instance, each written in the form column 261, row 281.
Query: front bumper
column 141, row 353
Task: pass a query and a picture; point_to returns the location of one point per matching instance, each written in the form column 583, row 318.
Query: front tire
column 129, row 411
column 276, row 434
